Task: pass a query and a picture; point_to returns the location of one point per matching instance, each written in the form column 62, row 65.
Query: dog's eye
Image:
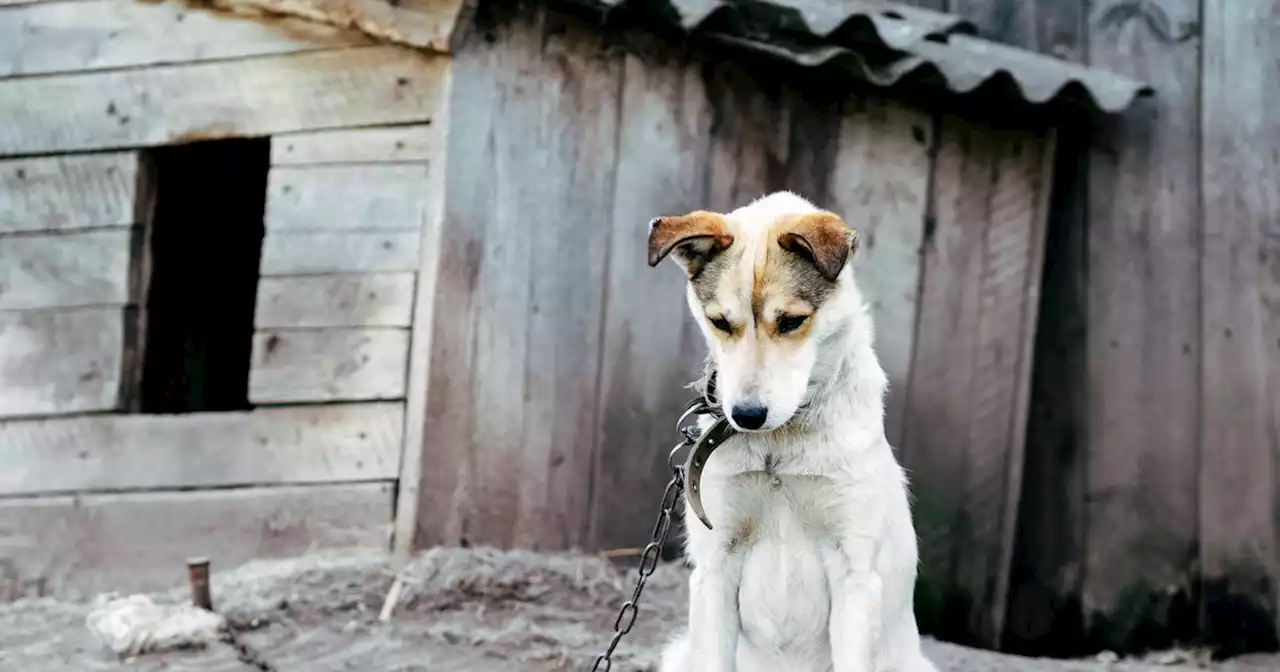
column 789, row 323
column 721, row 324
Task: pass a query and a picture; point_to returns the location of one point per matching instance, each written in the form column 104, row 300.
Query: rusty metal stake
column 198, row 576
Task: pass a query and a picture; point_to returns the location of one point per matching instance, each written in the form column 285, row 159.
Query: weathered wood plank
column 574, row 187
column 1045, row 571
column 424, row 24
column 1009, row 287
column 431, row 147
column 63, row 193
column 363, row 86
column 1043, row 616
column 346, row 198
column 444, row 506
column 879, row 182
column 267, row 446
column 347, row 252
column 1144, row 337
column 1240, row 326
column 491, row 492
column 140, row 541
column 939, row 395
column 57, row 37
column 663, row 148
column 515, row 328
column 751, row 137
column 328, row 365
column 416, row 143
column 66, row 270
column 374, row 300
column 64, row 361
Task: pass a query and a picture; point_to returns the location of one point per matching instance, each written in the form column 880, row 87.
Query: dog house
column 282, row 275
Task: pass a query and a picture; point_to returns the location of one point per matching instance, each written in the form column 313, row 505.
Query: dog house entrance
column 206, row 238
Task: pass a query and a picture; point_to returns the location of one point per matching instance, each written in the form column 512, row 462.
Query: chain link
column 652, row 553
column 247, row 654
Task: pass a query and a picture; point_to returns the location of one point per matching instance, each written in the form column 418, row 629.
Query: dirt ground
column 472, row 610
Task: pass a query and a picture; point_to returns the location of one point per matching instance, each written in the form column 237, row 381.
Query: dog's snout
column 750, row 416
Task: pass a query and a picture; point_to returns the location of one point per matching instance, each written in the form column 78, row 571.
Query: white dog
column 811, row 562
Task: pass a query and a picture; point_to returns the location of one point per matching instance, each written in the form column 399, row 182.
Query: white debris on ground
column 134, row 625
column 472, row 610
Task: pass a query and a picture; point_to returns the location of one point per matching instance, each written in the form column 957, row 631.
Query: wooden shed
column 283, row 275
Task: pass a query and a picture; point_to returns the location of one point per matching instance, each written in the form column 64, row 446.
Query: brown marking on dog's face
column 695, row 239
column 758, row 285
column 794, row 269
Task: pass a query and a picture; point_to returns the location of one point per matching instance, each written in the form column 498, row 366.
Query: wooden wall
column 1150, row 508
column 95, row 496
column 559, row 358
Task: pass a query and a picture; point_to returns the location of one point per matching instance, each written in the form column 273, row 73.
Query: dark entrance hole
column 206, row 239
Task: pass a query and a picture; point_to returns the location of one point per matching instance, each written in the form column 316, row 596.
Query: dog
column 810, row 565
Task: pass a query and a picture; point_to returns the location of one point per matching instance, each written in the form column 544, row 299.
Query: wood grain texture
column 372, row 300
column 1043, row 616
column 879, row 182
column 1144, row 336
column 346, row 198
column 267, row 446
column 580, row 122
column 966, row 404
column 427, row 279
column 934, row 449
column 751, row 144
column 361, row 86
column 64, row 193
column 1240, row 294
column 67, row 270
column 447, row 462
column 64, row 361
column 518, row 461
column 57, row 37
column 301, row 253
column 1008, row 290
column 328, row 365
column 413, row 143
column 664, row 144
column 81, row 546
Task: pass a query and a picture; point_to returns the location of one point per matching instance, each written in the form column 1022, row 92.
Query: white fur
column 812, row 562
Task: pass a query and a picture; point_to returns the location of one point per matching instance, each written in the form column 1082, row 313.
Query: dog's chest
column 782, row 526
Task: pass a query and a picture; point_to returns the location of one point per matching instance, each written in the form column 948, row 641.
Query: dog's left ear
column 823, row 239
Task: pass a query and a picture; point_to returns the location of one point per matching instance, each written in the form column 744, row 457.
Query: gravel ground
column 475, row 610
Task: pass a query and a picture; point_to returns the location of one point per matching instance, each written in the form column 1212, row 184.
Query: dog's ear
column 694, row 238
column 822, row 238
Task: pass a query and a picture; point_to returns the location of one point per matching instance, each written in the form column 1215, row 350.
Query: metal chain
column 247, row 654
column 627, row 613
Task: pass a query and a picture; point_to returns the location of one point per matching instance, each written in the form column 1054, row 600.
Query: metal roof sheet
column 887, row 43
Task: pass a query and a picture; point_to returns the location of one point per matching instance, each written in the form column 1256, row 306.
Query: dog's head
column 766, row 284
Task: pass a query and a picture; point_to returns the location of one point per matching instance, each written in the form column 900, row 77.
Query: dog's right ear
column 693, row 238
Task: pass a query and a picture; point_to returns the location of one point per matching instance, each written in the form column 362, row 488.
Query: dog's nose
column 750, row 416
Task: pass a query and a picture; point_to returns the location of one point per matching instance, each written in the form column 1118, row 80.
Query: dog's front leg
column 713, row 617
column 856, row 614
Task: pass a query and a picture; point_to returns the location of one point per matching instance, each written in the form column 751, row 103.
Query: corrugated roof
column 888, row 43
